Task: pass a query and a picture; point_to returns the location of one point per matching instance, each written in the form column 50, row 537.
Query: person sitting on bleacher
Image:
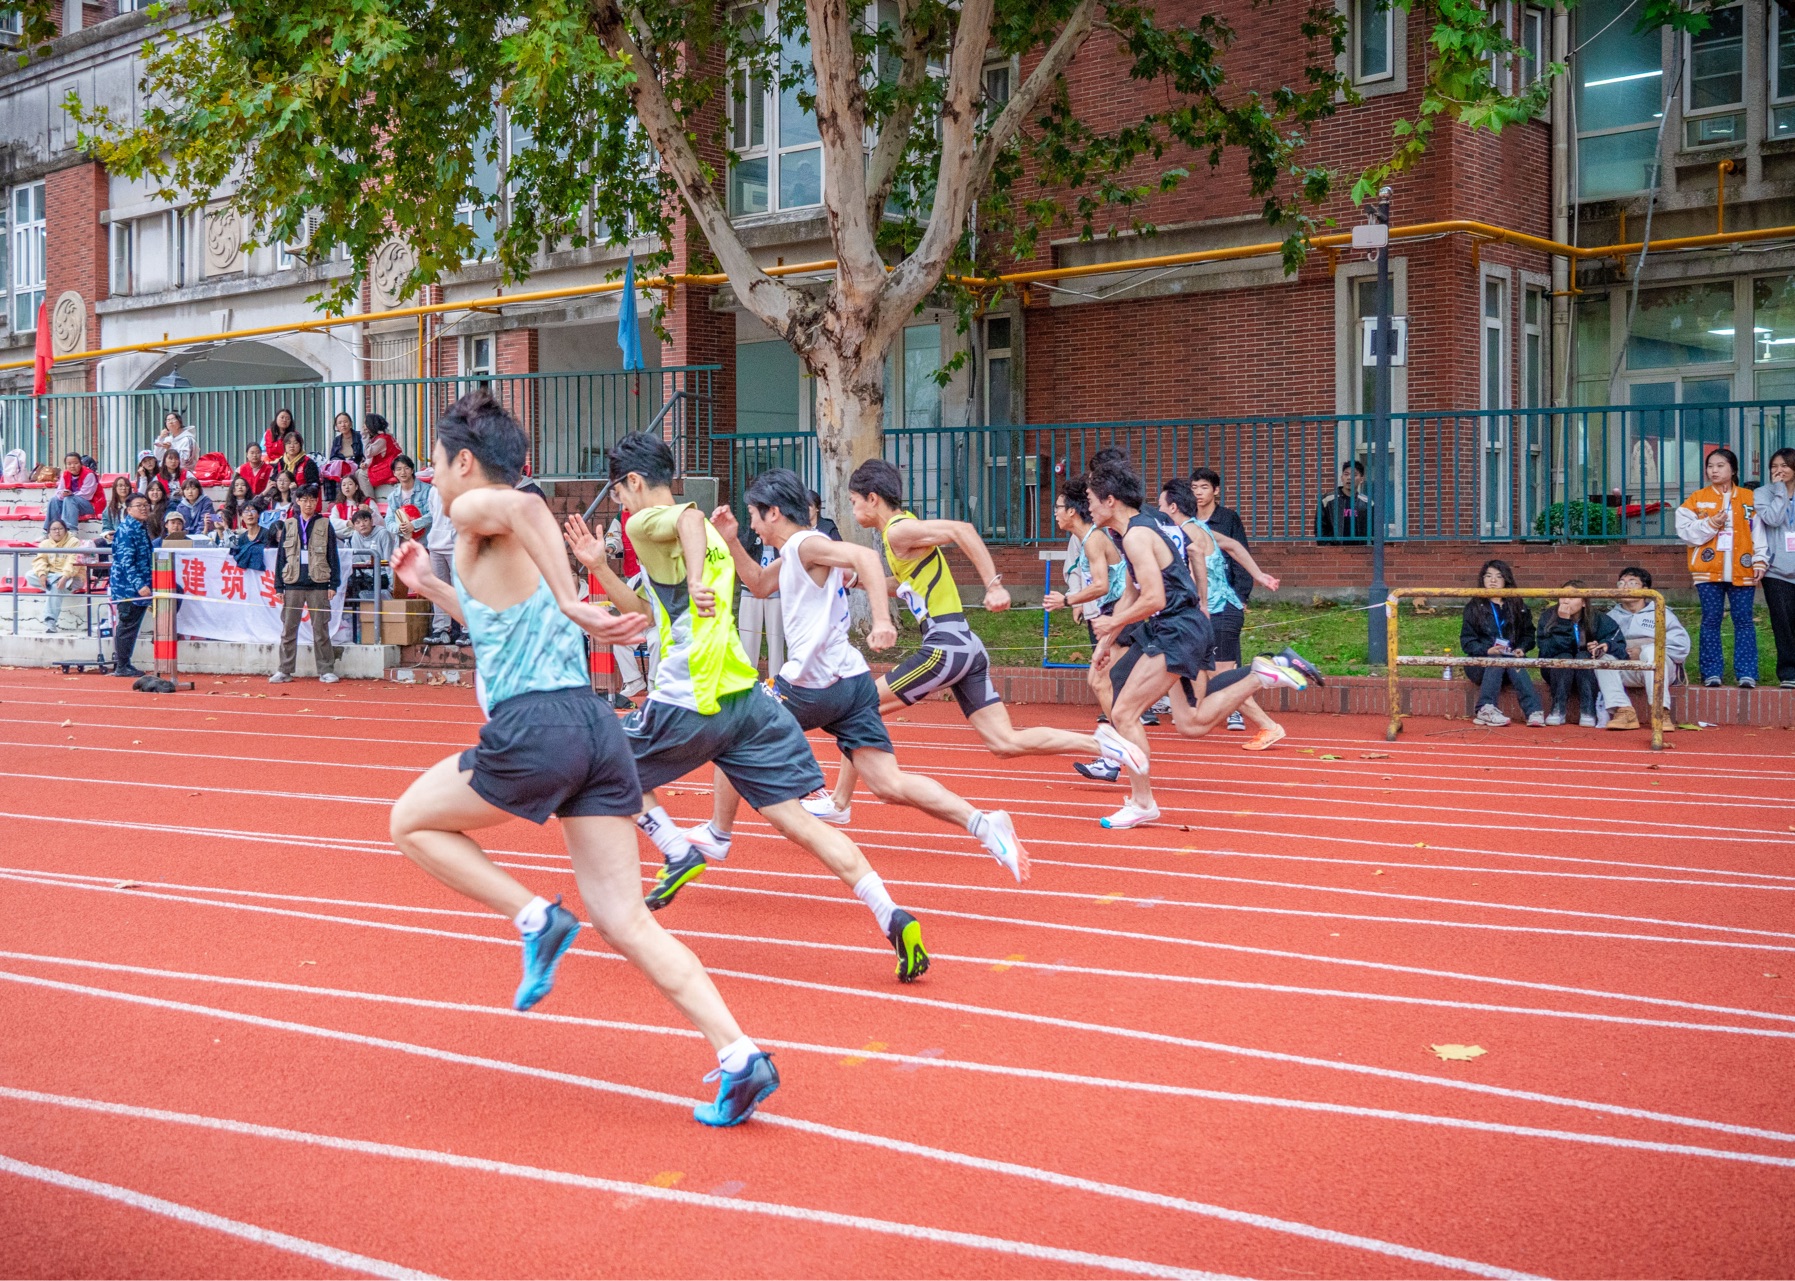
column 370, row 547
column 255, row 470
column 157, row 493
column 408, row 506
column 279, row 498
column 250, row 540
column 195, row 508
column 57, row 575
column 235, row 500
column 172, row 472
column 77, row 490
column 382, row 449
column 174, row 531
column 115, row 507
column 296, row 462
column 148, row 469
column 176, row 435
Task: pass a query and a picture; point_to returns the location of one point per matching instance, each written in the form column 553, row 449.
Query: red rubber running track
column 244, row 1037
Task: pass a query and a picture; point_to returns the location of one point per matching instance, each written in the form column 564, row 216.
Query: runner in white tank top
column 825, row 682
column 817, row 649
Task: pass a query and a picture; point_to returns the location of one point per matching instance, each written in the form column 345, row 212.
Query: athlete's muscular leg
column 1249, row 709
column 1005, row 740
column 430, row 823
column 607, row 870
column 1214, row 705
column 832, row 847
column 1146, row 683
column 1103, row 687
column 725, row 800
column 889, row 783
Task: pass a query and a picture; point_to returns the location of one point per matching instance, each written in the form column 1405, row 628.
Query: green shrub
column 1583, row 522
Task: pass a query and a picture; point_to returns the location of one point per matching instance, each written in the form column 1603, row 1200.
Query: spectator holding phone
column 1499, row 627
column 1716, row 523
column 1571, row 629
column 177, row 436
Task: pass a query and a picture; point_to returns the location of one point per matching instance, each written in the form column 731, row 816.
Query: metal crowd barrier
column 1397, row 660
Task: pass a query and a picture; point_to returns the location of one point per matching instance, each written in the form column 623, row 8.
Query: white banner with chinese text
column 219, row 600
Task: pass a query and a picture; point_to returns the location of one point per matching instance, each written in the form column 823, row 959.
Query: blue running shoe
column 672, row 878
column 542, row 953
column 740, row 1093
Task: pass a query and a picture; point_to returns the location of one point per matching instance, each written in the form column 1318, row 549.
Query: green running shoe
column 672, row 878
column 906, row 936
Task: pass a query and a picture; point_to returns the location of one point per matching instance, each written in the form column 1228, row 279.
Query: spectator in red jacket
column 172, row 473
column 72, row 501
column 277, row 432
column 382, row 449
column 255, row 470
column 296, row 462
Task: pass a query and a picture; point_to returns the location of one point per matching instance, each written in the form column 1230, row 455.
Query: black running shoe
column 740, row 1093
column 906, row 936
column 1288, row 657
column 1149, row 718
column 1102, row 771
column 542, row 953
column 672, row 878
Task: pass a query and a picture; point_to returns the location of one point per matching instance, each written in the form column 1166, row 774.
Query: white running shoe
column 1489, row 715
column 329, row 678
column 1237, row 722
column 706, row 841
column 1130, row 815
column 279, row 678
column 1163, row 707
column 1278, row 674
column 823, row 807
column 1118, row 749
column 1000, row 840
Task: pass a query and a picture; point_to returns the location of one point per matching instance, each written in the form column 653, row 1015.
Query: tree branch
column 921, row 271
column 894, row 135
column 775, row 303
column 841, row 123
column 1028, row 96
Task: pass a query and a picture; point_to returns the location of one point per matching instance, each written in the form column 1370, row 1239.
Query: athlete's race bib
column 913, row 602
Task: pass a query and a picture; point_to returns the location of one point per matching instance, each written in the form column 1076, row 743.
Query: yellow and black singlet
column 925, row 584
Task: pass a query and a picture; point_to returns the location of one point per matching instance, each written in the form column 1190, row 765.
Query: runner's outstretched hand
column 587, row 549
column 605, row 625
column 411, row 565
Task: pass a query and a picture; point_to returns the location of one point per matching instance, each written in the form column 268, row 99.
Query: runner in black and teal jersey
column 951, row 657
column 708, row 705
column 549, row 745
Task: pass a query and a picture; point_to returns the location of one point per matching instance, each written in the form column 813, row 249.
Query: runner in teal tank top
column 549, row 745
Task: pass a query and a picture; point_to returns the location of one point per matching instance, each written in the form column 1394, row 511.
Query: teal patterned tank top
column 527, row 649
column 1215, row 565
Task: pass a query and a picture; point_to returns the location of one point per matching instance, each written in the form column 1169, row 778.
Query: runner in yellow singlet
column 951, row 657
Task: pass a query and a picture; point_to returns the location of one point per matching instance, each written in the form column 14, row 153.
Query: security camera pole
column 1376, row 234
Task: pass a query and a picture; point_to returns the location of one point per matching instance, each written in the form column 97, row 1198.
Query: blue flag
column 629, row 333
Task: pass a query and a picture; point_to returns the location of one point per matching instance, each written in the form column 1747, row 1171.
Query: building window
column 124, row 258
column 913, row 396
column 483, row 216
column 1773, row 335
column 999, row 372
column 477, row 358
column 778, row 160
column 12, row 27
column 1502, row 15
column 1619, row 98
column 1682, row 325
column 1782, row 68
column 27, row 256
column 1534, row 54
column 1373, row 39
column 178, row 229
column 769, row 386
column 997, row 89
column 1714, row 86
column 1495, row 343
column 1535, row 352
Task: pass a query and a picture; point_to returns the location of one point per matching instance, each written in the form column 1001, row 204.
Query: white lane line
column 1042, row 1020
column 987, row 1165
column 84, row 880
column 923, row 1061
column 313, row 1250
column 110, row 885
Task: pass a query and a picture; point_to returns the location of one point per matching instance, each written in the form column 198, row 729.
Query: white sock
column 657, row 826
column 975, row 826
column 718, row 835
column 533, row 917
column 732, row 1058
column 871, row 891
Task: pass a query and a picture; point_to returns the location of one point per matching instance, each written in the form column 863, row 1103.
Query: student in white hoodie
column 1637, row 619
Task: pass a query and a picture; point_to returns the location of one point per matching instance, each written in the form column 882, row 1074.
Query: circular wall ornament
column 224, row 240
column 387, row 272
column 68, row 324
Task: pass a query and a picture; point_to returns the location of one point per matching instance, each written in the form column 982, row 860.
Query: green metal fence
column 1564, row 475
column 571, row 418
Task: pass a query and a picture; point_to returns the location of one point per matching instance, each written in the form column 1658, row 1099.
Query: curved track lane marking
column 313, row 1250
column 1289, row 1227
column 923, row 1061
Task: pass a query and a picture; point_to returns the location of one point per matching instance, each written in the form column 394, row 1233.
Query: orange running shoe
column 1263, row 739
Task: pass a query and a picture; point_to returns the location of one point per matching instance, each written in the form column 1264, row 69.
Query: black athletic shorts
column 1226, row 625
column 848, row 710
column 555, row 752
column 1184, row 638
column 951, row 658
column 752, row 738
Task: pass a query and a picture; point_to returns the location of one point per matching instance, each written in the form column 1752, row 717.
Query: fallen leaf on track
column 1374, row 756
column 66, row 724
column 126, row 885
column 1420, row 845
column 1458, row 1053
column 1328, row 758
column 1378, row 872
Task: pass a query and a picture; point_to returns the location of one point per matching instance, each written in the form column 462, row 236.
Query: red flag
column 40, row 382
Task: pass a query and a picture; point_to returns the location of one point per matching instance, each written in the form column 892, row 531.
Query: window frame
column 740, row 116
column 1006, row 353
column 121, row 259
column 179, row 227
column 1535, row 344
column 469, row 367
column 1534, row 55
column 1694, row 117
column 1355, row 46
column 21, row 257
column 1502, row 324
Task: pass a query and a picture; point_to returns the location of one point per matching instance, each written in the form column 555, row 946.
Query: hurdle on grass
column 1656, row 667
column 1047, row 561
